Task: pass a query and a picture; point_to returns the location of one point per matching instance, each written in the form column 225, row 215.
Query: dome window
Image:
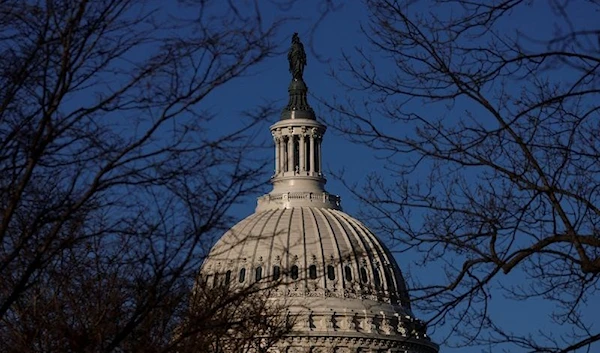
column 330, row 272
column 242, row 276
column 312, row 271
column 258, row 273
column 228, row 277
column 363, row 275
column 276, row 272
column 294, row 272
column 377, row 278
column 348, row 273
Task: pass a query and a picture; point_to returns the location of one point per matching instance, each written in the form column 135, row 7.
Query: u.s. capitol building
column 335, row 277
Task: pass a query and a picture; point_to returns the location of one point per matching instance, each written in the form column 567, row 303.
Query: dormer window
column 348, row 273
column 377, row 278
column 312, row 271
column 258, row 273
column 330, row 272
column 363, row 275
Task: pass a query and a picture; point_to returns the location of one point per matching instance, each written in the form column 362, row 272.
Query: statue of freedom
column 297, row 58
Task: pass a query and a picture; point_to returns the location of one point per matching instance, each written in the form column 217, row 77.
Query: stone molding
column 326, row 344
column 298, row 199
column 395, row 326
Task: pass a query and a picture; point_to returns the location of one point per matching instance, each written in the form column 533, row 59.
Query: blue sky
column 340, row 32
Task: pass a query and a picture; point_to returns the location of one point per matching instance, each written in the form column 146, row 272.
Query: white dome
column 332, row 271
column 346, row 259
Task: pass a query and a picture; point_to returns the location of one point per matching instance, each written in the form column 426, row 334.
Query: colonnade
column 298, row 154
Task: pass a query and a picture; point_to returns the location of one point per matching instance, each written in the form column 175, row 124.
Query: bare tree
column 112, row 182
column 490, row 131
column 234, row 318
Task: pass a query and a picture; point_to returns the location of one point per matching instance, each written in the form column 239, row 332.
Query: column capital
column 314, row 132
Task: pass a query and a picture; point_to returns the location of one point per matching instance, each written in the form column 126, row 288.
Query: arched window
column 377, row 278
column 216, row 280
column 258, row 273
column 312, row 271
column 228, row 277
column 242, row 276
column 363, row 275
column 348, row 273
column 330, row 272
column 276, row 272
column 294, row 272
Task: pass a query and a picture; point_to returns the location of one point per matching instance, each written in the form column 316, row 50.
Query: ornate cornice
column 326, row 344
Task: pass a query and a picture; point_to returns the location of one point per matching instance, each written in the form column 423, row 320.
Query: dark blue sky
column 339, row 32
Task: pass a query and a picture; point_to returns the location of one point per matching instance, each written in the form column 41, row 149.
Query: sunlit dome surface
column 329, row 254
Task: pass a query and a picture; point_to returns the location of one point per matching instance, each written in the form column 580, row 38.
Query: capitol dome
column 333, row 274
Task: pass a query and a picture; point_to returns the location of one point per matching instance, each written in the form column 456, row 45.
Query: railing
column 306, row 196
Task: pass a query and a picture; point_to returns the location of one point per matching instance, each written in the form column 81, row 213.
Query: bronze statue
column 297, row 58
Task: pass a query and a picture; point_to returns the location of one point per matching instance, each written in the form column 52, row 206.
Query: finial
column 297, row 107
column 297, row 58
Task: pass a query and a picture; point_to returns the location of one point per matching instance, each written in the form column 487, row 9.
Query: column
column 312, row 153
column 291, row 153
column 318, row 153
column 277, row 163
column 301, row 160
column 282, row 155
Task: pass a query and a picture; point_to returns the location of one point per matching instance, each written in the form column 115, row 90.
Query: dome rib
column 393, row 290
column 287, row 247
column 351, row 257
column 296, row 249
column 358, row 247
column 260, row 237
column 227, row 246
column 269, row 261
column 367, row 257
column 340, row 262
column 247, row 253
column 388, row 288
column 318, row 217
